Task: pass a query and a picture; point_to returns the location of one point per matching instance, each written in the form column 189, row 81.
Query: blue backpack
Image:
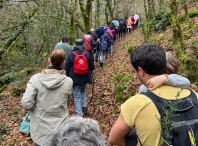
column 104, row 43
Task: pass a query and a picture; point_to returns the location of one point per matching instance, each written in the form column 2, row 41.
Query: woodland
column 29, row 30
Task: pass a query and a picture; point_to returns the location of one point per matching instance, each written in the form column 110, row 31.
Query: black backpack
column 184, row 129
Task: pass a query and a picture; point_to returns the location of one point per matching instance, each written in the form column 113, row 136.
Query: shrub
column 130, row 49
column 160, row 20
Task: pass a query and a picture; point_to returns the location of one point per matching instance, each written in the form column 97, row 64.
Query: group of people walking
column 70, row 69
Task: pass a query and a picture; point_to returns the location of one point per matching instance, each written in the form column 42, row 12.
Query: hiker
column 119, row 31
column 89, row 42
column 172, row 80
column 78, row 131
column 100, row 31
column 112, row 35
column 105, row 43
column 129, row 27
column 124, row 27
column 46, row 96
column 66, row 47
column 116, row 24
column 136, row 17
column 132, row 21
column 79, row 66
column 95, row 37
column 142, row 111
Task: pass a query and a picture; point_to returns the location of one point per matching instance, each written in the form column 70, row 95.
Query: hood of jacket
column 52, row 78
column 105, row 36
column 87, row 36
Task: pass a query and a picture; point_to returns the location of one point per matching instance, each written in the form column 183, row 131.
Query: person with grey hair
column 78, row 131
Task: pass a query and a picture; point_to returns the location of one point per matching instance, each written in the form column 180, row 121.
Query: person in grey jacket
column 46, row 97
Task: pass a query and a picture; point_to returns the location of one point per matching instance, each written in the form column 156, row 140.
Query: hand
column 156, row 82
column 98, row 40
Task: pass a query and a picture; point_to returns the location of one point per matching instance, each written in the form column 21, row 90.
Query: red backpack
column 80, row 64
column 87, row 43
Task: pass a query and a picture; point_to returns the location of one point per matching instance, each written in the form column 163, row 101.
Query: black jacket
column 69, row 67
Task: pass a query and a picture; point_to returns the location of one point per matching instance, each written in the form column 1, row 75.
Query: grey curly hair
column 78, row 131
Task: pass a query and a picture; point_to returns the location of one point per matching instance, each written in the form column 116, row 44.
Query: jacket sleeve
column 109, row 42
column 177, row 81
column 68, row 64
column 90, row 62
column 82, row 38
column 28, row 99
column 142, row 88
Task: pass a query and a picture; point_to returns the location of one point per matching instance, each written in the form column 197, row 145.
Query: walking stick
column 92, row 87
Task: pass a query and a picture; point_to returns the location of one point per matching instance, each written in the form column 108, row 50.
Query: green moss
column 130, row 49
column 2, row 88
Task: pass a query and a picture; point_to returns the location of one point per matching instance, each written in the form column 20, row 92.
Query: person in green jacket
column 66, row 47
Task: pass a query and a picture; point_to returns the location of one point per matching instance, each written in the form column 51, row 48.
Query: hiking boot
column 84, row 109
column 101, row 64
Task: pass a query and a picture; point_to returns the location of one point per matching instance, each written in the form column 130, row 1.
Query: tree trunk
column 175, row 24
column 86, row 14
column 190, row 23
column 71, row 29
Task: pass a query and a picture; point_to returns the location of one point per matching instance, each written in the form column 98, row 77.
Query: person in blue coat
column 79, row 81
column 105, row 43
column 100, row 31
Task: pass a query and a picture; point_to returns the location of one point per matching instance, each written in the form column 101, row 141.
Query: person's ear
column 141, row 71
column 48, row 61
column 62, row 64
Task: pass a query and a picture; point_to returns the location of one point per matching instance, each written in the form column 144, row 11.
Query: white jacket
column 46, row 96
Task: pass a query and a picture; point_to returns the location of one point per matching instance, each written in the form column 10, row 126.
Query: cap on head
column 79, row 43
column 102, row 25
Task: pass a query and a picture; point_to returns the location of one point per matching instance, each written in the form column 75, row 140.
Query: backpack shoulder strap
column 158, row 101
column 83, row 53
column 193, row 96
column 75, row 53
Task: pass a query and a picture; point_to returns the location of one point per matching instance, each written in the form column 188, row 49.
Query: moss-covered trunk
column 71, row 29
column 188, row 64
column 175, row 24
column 190, row 23
column 86, row 14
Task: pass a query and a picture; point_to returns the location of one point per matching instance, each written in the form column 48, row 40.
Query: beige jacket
column 46, row 96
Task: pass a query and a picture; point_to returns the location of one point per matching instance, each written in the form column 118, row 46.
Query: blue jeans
column 79, row 92
column 36, row 144
column 97, row 53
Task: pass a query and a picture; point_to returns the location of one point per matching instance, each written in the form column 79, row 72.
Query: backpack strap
column 158, row 101
column 84, row 53
column 75, row 53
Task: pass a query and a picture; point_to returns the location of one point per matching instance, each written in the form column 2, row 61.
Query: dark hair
column 64, row 39
column 126, row 18
column 106, row 32
column 57, row 57
column 150, row 57
column 88, row 32
column 112, row 26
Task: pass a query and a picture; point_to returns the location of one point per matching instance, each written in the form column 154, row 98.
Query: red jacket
column 132, row 20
